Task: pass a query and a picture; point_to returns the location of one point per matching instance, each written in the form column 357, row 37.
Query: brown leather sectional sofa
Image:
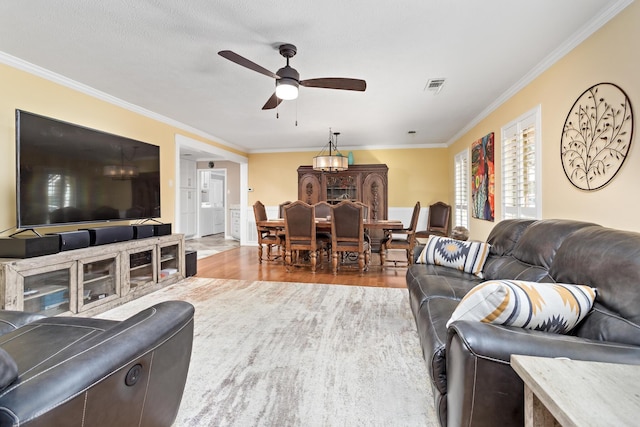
column 472, row 380
column 73, row 371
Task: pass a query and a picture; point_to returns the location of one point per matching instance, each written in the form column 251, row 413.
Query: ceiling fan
column 288, row 79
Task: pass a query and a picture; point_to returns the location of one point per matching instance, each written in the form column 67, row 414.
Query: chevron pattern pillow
column 550, row 307
column 466, row 256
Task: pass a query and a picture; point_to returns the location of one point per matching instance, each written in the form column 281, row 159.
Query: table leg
column 535, row 413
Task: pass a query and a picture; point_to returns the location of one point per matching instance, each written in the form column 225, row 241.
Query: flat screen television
column 69, row 174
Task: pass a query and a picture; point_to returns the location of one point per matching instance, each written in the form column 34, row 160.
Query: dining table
column 324, row 224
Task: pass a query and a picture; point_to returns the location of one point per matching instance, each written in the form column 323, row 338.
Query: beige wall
column 609, row 55
column 21, row 90
column 414, row 175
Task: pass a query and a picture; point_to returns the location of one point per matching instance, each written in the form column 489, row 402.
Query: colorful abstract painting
column 483, row 178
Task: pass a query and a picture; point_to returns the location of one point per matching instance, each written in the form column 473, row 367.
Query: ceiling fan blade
column 272, row 103
column 241, row 60
column 336, row 83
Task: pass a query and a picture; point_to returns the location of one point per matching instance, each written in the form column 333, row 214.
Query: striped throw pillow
column 465, row 256
column 550, row 307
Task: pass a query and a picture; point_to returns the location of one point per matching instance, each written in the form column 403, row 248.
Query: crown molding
column 38, row 71
column 350, row 148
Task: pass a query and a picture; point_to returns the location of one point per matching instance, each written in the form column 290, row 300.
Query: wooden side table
column 578, row 393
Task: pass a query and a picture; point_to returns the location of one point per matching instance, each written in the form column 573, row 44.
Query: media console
column 37, row 245
column 91, row 280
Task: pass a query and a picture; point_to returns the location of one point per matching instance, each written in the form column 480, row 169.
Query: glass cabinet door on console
column 47, row 290
column 170, row 262
column 99, row 281
column 141, row 270
column 91, row 280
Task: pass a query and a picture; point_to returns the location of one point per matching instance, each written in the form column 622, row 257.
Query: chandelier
column 334, row 161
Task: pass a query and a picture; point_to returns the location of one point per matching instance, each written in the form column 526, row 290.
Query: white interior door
column 217, row 197
column 212, row 202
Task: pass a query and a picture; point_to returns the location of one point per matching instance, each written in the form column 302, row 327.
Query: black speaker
column 70, row 240
column 161, row 229
column 27, row 247
column 142, row 231
column 105, row 235
column 191, row 263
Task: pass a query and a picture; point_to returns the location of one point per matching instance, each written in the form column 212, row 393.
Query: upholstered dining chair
column 438, row 221
column 347, row 235
column 365, row 210
column 401, row 239
column 281, row 208
column 323, row 210
column 300, row 233
column 266, row 236
column 365, row 216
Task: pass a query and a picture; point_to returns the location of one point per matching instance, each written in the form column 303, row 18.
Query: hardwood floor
column 242, row 263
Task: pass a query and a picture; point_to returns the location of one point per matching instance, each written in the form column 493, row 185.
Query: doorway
column 236, row 196
column 212, row 184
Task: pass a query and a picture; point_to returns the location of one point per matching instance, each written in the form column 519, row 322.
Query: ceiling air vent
column 434, row 85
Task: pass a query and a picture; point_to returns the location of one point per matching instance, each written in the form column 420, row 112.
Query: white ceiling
column 162, row 56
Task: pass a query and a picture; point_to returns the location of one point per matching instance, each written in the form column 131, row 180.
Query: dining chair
column 438, row 221
column 266, row 235
column 323, row 238
column 365, row 210
column 347, row 235
column 401, row 239
column 365, row 216
column 323, row 209
column 300, row 233
column 281, row 208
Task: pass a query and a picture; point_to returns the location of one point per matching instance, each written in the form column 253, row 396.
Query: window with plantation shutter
column 521, row 167
column 461, row 168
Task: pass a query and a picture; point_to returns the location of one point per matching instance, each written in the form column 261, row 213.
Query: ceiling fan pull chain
column 296, row 112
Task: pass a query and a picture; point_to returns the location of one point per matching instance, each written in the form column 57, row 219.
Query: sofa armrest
column 482, row 387
column 417, row 251
column 100, row 372
column 500, row 342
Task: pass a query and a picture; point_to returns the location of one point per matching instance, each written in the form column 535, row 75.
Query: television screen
column 70, row 174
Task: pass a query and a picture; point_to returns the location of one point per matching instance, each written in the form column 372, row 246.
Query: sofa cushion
column 504, row 236
column 8, row 369
column 465, row 256
column 609, row 260
column 508, row 267
column 550, row 307
column 541, row 240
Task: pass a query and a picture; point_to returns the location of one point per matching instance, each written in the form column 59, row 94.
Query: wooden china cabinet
column 362, row 183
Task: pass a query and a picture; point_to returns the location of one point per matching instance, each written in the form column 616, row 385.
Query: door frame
column 185, row 142
column 223, row 173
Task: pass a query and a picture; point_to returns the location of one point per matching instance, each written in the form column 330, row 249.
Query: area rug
column 295, row 354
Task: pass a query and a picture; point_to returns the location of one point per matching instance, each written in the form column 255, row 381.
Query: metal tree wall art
column 596, row 137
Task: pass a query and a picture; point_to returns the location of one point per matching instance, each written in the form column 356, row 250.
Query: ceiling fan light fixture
column 286, row 89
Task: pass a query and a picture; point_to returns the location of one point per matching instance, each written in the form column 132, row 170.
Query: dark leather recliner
column 74, row 371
